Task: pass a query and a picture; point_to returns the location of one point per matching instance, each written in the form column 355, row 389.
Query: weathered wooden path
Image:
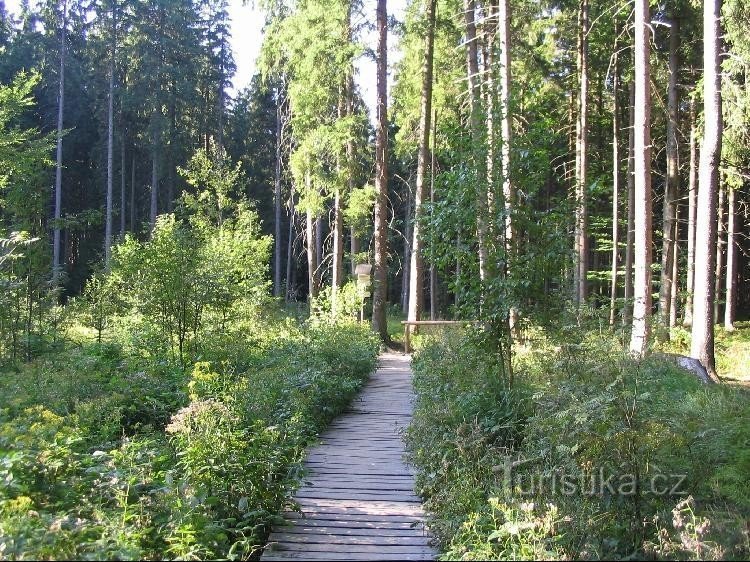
column 358, row 499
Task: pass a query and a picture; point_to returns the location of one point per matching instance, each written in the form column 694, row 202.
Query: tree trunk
column 675, row 269
column 702, row 342
column 692, row 202
column 313, row 283
column 122, row 186
column 627, row 313
column 416, row 280
column 615, row 185
column 277, row 202
column 132, row 194
column 406, row 266
column 719, row 252
column 154, row 187
column 731, row 288
column 506, row 133
column 290, row 246
column 581, row 227
column 478, row 157
column 380, row 290
column 56, row 266
column 671, row 185
column 433, row 270
column 642, row 286
column 337, row 267
column 110, row 145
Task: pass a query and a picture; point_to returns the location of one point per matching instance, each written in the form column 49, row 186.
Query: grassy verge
column 589, row 455
column 107, row 453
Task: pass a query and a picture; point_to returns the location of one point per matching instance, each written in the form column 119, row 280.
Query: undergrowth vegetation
column 169, row 417
column 585, row 454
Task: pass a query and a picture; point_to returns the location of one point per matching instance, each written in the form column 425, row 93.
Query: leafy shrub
column 133, row 459
column 523, row 472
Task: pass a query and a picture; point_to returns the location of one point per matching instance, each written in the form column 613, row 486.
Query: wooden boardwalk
column 358, row 499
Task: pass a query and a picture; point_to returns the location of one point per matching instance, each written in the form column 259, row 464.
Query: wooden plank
column 366, row 530
column 350, row 548
column 349, row 539
column 290, row 556
column 322, row 514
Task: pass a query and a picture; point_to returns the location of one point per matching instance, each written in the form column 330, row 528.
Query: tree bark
column 477, row 141
column 671, row 185
column 132, row 193
column 277, row 202
column 290, row 246
column 416, row 279
column 123, row 187
column 110, row 143
column 56, row 265
column 380, row 290
column 692, row 202
column 581, row 227
column 642, row 286
column 406, row 267
column 615, row 185
column 719, row 252
column 433, row 270
column 702, row 342
column 153, row 209
column 506, row 138
column 313, row 279
column 627, row 314
column 675, row 269
column 731, row 287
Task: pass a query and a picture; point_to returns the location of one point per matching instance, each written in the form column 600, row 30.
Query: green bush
column 111, row 456
column 522, row 472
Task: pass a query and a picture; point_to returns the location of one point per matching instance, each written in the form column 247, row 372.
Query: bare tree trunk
column 671, row 185
column 312, row 233
column 56, row 265
column 122, row 186
column 642, row 306
column 380, row 290
column 719, row 252
column 692, row 202
column 406, row 273
column 702, row 342
column 627, row 313
column 433, row 270
column 277, row 202
column 615, row 185
column 220, row 100
column 506, row 138
column 416, row 280
column 290, row 246
column 153, row 210
column 132, row 194
column 581, row 227
column 731, row 288
column 478, row 158
column 110, row 144
column 675, row 270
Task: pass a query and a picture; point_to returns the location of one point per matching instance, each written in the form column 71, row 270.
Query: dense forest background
column 181, row 313
column 140, row 86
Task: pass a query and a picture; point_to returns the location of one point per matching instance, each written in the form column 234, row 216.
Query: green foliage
column 524, row 472
column 111, row 456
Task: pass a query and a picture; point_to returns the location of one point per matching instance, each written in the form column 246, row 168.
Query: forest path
column 358, row 500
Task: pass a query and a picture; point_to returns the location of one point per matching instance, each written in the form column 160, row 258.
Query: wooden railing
column 417, row 323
